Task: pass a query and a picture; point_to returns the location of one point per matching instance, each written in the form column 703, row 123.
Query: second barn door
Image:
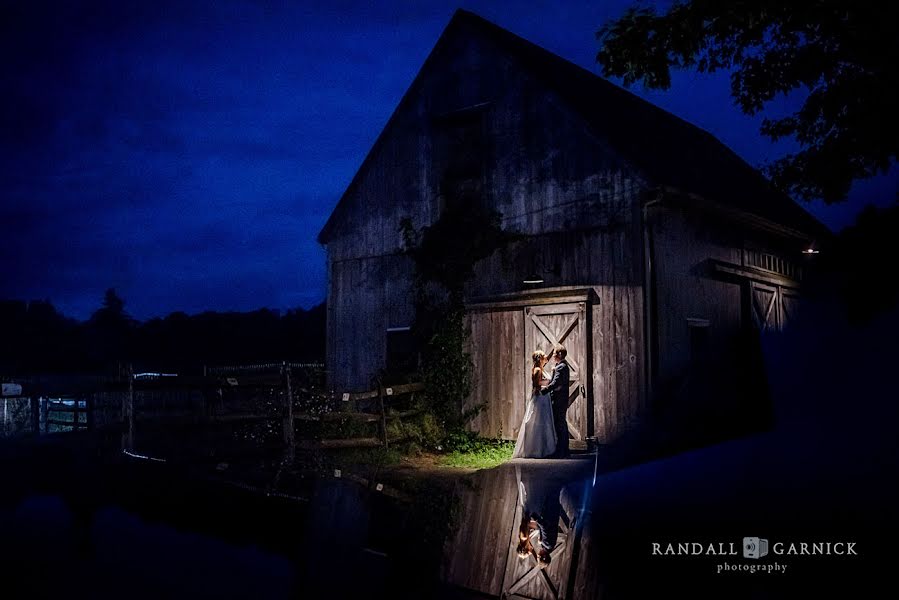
column 765, row 313
column 773, row 307
column 564, row 324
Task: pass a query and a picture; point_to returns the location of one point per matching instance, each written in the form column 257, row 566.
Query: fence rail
column 261, row 367
column 259, row 396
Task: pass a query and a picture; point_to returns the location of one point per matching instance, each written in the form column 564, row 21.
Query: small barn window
column 465, row 148
column 461, row 154
column 401, row 356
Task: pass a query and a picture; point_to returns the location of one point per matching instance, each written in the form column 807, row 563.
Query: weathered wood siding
column 481, row 551
column 476, row 552
column 606, row 259
column 727, row 381
column 366, row 296
column 499, row 380
column 683, row 244
column 552, row 180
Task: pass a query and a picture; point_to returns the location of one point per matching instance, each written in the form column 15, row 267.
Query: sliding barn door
column 565, row 324
column 764, row 306
column 789, row 306
column 773, row 307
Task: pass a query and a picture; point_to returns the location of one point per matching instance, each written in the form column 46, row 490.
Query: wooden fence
column 354, row 405
column 67, row 414
column 274, row 395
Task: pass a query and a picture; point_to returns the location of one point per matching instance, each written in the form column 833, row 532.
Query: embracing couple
column 544, row 430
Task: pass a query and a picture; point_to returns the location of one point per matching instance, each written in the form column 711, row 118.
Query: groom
column 558, row 397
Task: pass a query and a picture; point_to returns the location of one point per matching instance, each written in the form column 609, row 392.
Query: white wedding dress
column 537, row 436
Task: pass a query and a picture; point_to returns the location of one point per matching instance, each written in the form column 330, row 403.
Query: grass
column 473, row 452
column 484, row 459
column 484, row 454
column 478, row 454
column 419, row 443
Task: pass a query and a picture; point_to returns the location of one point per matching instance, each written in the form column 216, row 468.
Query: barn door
column 565, row 324
column 789, row 306
column 523, row 578
column 764, row 306
column 773, row 307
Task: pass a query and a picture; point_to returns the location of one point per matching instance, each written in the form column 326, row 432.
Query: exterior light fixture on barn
column 641, row 224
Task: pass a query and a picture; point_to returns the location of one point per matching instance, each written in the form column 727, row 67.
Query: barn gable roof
column 672, row 152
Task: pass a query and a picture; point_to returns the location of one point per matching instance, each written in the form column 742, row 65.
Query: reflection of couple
column 540, row 501
column 544, row 430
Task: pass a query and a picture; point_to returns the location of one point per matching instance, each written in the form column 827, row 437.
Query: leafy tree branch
column 841, row 53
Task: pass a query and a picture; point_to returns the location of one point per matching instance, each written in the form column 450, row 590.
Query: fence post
column 89, row 407
column 288, row 425
column 35, row 414
column 128, row 412
column 383, row 414
column 45, row 413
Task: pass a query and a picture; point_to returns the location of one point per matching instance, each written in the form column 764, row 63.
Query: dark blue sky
column 188, row 153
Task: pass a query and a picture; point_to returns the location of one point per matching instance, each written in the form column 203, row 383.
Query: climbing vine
column 444, row 255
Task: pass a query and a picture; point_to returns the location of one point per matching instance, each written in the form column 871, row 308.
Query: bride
column 537, row 436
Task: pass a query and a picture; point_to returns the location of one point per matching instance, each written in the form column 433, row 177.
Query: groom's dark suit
column 557, row 388
column 541, row 502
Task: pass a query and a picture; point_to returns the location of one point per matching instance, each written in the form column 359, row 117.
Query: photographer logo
column 754, row 547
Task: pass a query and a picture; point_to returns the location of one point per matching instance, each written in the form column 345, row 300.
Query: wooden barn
column 646, row 246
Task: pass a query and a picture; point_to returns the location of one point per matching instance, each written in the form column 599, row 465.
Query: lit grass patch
column 483, row 459
column 468, row 450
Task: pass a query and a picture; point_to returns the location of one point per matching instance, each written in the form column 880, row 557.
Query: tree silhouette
column 841, row 53
column 111, row 330
column 863, row 258
column 112, row 305
column 37, row 338
column 41, row 340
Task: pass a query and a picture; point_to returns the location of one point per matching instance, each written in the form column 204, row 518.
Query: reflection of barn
column 659, row 249
column 481, row 554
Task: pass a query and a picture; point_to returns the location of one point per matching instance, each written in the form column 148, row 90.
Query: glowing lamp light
column 811, row 251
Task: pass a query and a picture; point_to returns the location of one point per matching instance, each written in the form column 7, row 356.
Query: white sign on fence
column 346, row 396
column 12, row 389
